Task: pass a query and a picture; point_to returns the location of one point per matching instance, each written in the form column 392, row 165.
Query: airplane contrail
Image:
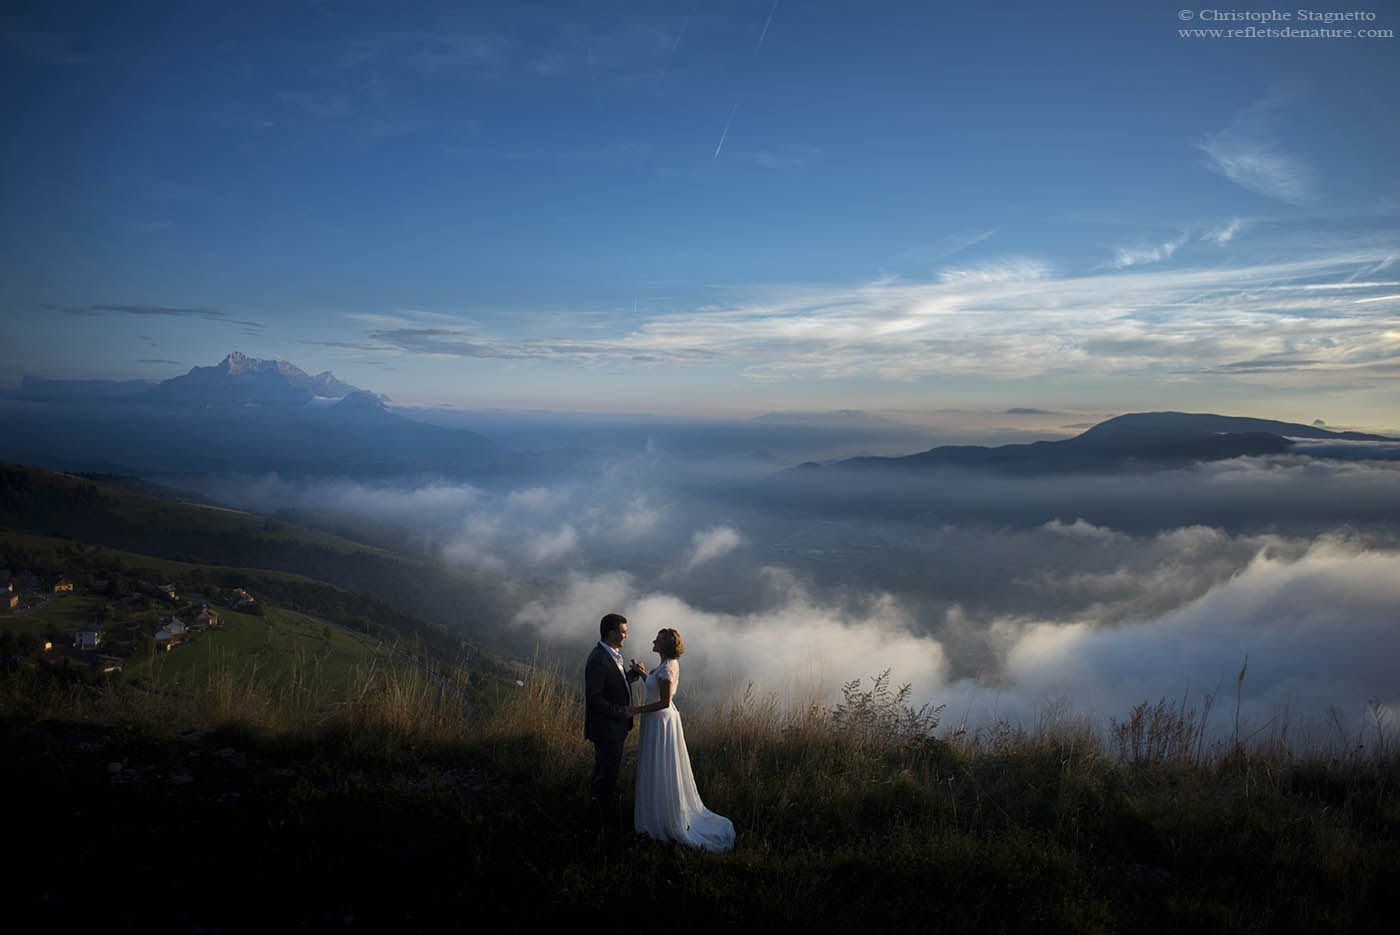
column 685, row 25
column 675, row 45
column 764, row 34
column 726, row 128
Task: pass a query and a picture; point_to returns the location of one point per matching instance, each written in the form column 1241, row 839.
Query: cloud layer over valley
column 997, row 596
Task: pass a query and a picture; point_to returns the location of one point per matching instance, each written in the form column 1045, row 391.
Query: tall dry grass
column 1078, row 818
column 756, row 750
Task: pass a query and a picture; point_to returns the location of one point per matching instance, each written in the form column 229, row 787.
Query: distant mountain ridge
column 242, row 415
column 1146, row 422
column 237, row 380
column 1143, row 438
column 242, row 380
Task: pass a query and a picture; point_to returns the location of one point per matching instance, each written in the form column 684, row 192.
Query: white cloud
column 1071, row 609
column 572, row 617
column 1223, row 235
column 1317, row 626
column 1010, row 270
column 1082, row 530
column 998, row 323
column 797, row 641
column 1248, row 153
column 537, row 499
column 474, row 552
column 416, row 507
column 1383, row 264
column 1124, row 257
column 1319, row 630
column 711, row 544
column 548, row 547
column 638, row 518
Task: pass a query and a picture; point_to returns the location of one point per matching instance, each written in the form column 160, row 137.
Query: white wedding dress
column 668, row 805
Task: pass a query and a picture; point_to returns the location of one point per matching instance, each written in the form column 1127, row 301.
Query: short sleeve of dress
column 668, row 672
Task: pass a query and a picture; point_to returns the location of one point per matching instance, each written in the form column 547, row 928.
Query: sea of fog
column 999, row 597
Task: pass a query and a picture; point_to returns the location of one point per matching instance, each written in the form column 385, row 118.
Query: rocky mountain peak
column 238, row 363
column 242, row 380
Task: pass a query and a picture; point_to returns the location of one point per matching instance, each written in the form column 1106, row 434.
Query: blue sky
column 709, row 205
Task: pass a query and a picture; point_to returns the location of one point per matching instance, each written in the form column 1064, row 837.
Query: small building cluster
column 22, row 591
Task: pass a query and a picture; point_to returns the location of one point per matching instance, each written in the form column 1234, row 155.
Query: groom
column 606, row 696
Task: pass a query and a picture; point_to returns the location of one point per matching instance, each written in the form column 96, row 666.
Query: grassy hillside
column 275, row 649
column 397, row 812
column 469, row 604
column 305, row 648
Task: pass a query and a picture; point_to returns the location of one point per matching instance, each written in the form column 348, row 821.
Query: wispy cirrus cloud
column 1225, row 233
column 1124, row 257
column 1016, row 269
column 997, row 321
column 457, row 342
column 165, row 310
column 158, row 311
column 1248, row 153
column 348, row 345
column 950, row 244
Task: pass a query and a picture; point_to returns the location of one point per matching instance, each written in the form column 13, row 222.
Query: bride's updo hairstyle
column 671, row 639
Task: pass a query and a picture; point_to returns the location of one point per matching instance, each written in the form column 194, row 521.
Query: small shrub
column 879, row 715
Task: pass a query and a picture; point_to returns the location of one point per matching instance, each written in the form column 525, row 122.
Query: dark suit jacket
column 606, row 697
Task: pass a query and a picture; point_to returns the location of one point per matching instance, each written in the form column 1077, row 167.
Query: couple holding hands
column 668, row 806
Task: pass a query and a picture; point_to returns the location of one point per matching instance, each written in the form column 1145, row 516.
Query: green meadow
column 275, row 650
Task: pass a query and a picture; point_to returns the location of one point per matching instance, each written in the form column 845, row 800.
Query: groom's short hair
column 609, row 623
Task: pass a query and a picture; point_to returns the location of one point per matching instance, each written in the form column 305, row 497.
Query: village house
column 57, row 584
column 171, row 633
column 167, row 591
column 206, row 618
column 88, row 638
column 241, row 599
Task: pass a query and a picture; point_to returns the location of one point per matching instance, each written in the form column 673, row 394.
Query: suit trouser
column 607, row 763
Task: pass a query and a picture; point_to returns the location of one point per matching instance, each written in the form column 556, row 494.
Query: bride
column 668, row 805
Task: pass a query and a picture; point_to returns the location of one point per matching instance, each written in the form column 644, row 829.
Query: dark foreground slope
column 386, row 823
